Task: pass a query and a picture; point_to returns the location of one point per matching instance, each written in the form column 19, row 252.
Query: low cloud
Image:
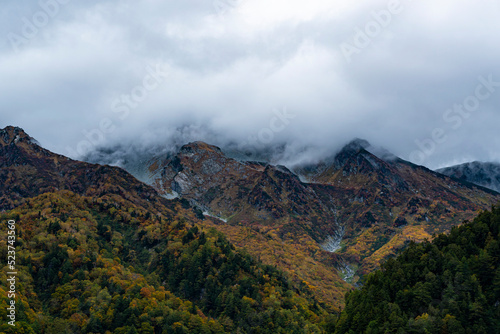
column 227, row 68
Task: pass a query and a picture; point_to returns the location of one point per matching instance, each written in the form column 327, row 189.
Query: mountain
column 312, row 232
column 99, row 252
column 449, row 285
column 336, row 218
column 265, row 206
column 28, row 170
column 485, row 174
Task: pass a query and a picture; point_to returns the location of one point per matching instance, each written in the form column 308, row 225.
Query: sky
column 419, row 78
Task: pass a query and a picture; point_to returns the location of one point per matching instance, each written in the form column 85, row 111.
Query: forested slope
column 89, row 265
column 449, row 285
column 97, row 251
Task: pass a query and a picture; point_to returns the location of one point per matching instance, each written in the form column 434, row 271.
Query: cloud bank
column 418, row 78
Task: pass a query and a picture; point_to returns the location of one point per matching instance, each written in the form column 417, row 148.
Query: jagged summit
column 355, row 191
column 19, row 148
column 310, row 171
column 15, row 135
column 198, row 146
column 356, row 145
column 348, row 151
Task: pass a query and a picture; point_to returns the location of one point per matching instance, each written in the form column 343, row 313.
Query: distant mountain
column 344, row 214
column 485, row 174
column 97, row 251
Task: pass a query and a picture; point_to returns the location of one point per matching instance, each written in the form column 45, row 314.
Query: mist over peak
column 133, row 154
column 257, row 75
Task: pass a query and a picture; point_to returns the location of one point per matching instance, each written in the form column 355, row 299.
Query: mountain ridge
column 354, row 212
column 485, row 174
column 97, row 251
column 28, row 170
column 362, row 207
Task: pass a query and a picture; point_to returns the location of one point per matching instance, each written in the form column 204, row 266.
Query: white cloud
column 230, row 69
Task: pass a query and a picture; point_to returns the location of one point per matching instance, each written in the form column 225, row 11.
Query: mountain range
column 339, row 217
column 234, row 244
column 97, row 251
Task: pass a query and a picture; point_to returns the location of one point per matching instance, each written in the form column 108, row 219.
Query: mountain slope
column 485, row 174
column 392, row 202
column 449, row 285
column 27, row 170
column 345, row 214
column 97, row 252
column 265, row 206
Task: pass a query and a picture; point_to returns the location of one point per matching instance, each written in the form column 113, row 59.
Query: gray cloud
column 224, row 68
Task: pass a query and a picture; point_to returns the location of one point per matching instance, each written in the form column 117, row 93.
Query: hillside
column 338, row 218
column 28, row 170
column 264, row 209
column 99, row 252
column 449, row 285
column 386, row 203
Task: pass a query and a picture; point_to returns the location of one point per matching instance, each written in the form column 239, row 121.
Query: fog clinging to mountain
column 296, row 78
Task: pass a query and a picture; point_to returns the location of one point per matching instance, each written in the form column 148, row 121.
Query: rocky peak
column 351, row 149
column 14, row 135
column 28, row 170
column 202, row 158
column 199, row 147
column 17, row 147
column 356, row 145
column 194, row 170
column 330, row 165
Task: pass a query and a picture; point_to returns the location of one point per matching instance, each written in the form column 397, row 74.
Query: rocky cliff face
column 254, row 192
column 485, row 174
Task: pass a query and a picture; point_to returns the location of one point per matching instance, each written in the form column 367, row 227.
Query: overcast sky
column 420, row 78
